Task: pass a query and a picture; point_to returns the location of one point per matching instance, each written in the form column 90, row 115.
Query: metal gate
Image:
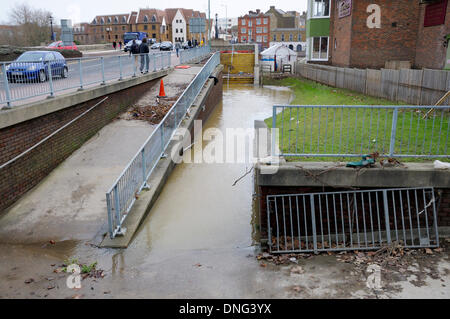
column 352, row 220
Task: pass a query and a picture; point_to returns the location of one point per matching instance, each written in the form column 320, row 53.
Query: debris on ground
column 86, row 270
column 396, row 262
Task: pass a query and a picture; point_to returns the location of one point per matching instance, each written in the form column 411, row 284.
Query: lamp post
column 226, row 20
column 52, row 36
column 209, row 22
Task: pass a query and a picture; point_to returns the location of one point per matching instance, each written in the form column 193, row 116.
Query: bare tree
column 33, row 25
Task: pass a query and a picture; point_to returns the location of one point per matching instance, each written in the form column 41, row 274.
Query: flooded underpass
column 198, row 241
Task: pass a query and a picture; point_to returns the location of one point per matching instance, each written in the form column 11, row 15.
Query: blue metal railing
column 356, row 130
column 122, row 195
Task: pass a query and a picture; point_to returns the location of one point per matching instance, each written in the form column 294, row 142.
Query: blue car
column 34, row 66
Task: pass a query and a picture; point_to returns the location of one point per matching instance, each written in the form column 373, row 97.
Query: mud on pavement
column 403, row 272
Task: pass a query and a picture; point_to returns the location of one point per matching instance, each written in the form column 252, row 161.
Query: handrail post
column 80, row 69
column 120, row 69
column 103, row 71
column 154, row 62
column 144, row 167
column 110, row 217
column 50, row 79
column 117, row 207
column 393, row 132
column 274, row 131
column 5, row 80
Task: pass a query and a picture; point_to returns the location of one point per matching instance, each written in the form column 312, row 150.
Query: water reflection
column 199, row 207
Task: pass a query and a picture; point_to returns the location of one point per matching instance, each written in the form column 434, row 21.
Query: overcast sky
column 86, row 10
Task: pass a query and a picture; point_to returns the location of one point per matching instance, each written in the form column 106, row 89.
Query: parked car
column 166, row 46
column 59, row 45
column 127, row 46
column 155, row 46
column 34, row 66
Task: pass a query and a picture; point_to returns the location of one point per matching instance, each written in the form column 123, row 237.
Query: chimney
column 272, row 7
column 258, row 11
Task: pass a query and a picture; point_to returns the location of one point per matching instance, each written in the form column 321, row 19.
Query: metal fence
column 189, row 55
column 353, row 220
column 352, row 131
column 122, row 195
column 30, row 79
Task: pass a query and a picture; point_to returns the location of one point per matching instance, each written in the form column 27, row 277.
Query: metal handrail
column 356, row 130
column 122, row 194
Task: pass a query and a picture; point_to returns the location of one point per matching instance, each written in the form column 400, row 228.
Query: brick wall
column 430, row 51
column 340, row 34
column 370, row 48
column 23, row 174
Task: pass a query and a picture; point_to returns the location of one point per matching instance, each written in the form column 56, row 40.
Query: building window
column 243, row 30
column 109, row 20
column 274, row 37
column 258, row 21
column 153, row 18
column 243, row 21
column 282, row 37
column 249, row 23
column 116, row 20
column 320, row 48
column 266, row 20
column 435, row 13
column 154, row 35
column 181, row 30
column 265, row 29
column 145, row 19
column 265, row 38
column 299, row 37
column 291, row 37
column 258, row 38
column 145, row 27
column 123, row 28
column 321, row 8
column 153, row 27
column 124, row 20
column 258, row 30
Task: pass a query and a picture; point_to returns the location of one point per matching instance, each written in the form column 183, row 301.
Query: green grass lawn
column 353, row 130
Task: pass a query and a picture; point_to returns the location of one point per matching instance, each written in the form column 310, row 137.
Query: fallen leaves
column 297, row 270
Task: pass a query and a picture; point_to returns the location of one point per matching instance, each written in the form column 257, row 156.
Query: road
column 90, row 68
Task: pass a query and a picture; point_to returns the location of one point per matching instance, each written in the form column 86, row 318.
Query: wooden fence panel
column 434, row 86
column 373, row 83
column 389, row 84
column 409, row 86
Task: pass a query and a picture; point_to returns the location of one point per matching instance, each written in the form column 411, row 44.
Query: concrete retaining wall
column 298, row 178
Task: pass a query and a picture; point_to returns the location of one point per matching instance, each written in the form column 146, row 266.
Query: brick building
column 163, row 25
column 357, row 43
column 254, row 27
column 368, row 33
column 432, row 49
column 287, row 28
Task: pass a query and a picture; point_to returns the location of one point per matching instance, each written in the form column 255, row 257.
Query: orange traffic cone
column 161, row 89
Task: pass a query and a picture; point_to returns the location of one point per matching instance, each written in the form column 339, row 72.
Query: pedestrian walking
column 145, row 59
column 177, row 47
column 120, row 45
column 134, row 50
column 114, row 44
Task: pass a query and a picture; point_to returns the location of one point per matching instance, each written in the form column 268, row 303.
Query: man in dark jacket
column 145, row 59
column 134, row 50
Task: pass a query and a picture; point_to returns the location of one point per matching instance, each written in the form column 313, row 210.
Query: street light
column 226, row 19
column 52, row 36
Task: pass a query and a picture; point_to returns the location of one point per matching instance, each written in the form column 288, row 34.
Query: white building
column 179, row 27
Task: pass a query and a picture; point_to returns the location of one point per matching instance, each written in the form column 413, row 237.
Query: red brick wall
column 340, row 34
column 430, row 51
column 371, row 48
column 263, row 25
column 23, row 174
